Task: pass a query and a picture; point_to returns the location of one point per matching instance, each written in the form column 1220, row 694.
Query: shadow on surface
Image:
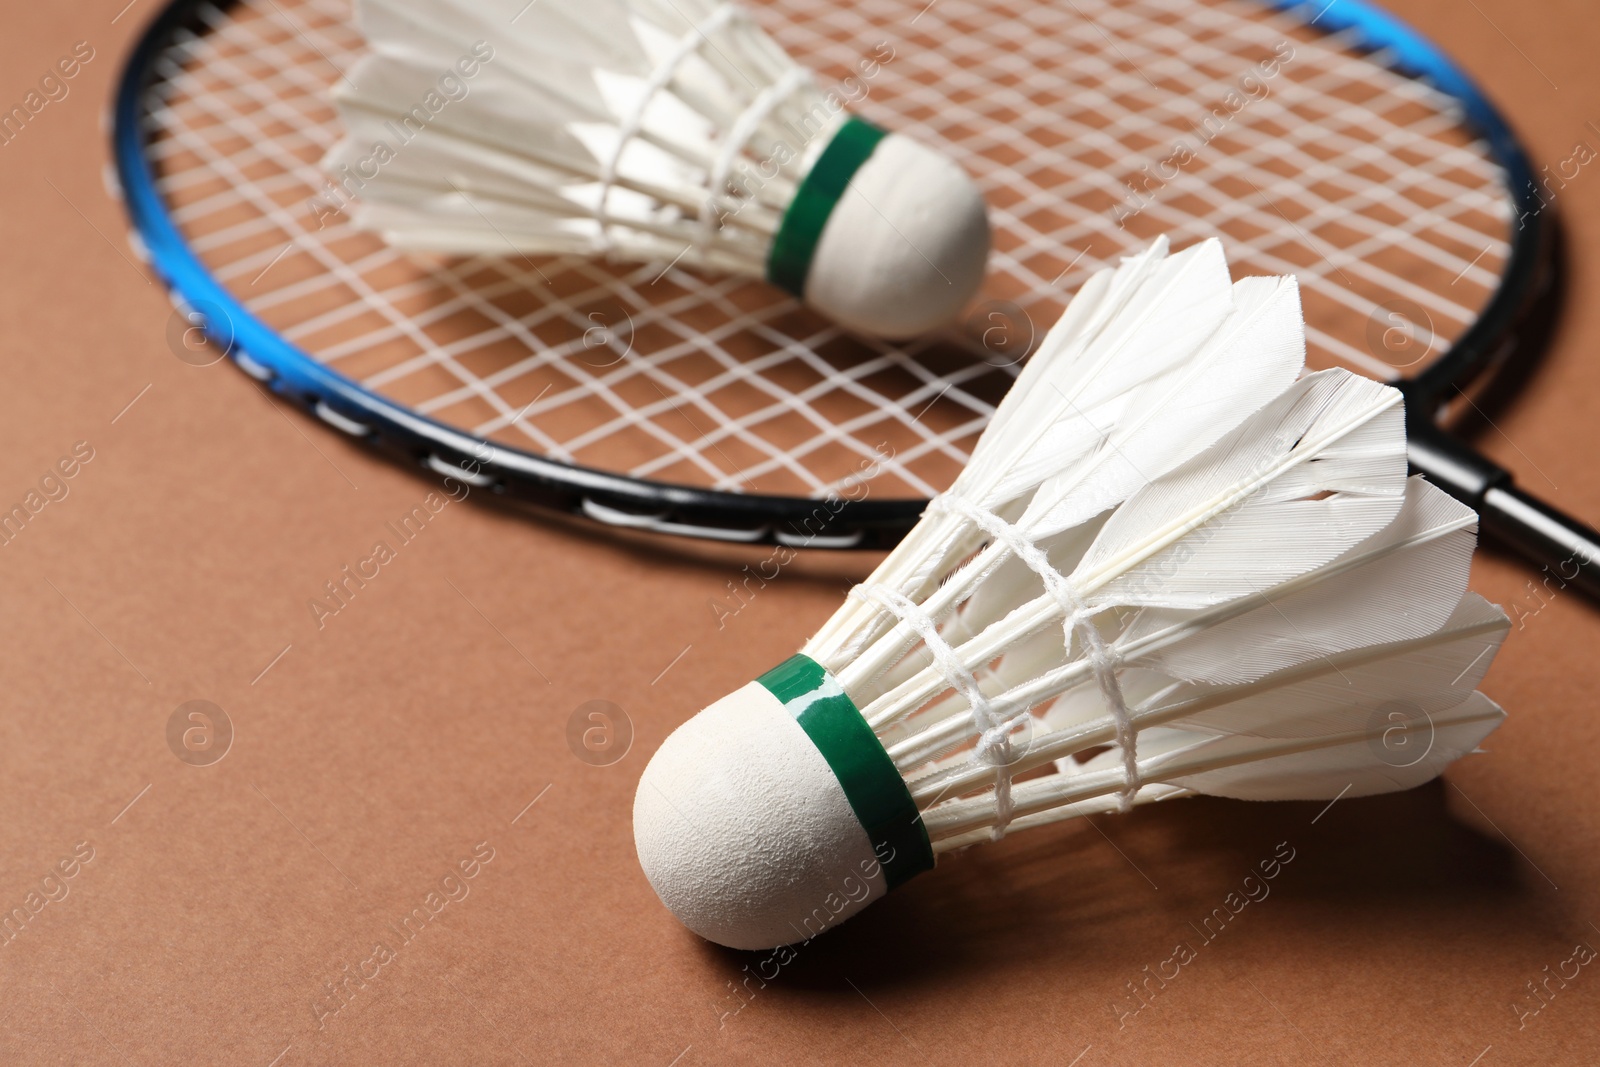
column 1113, row 895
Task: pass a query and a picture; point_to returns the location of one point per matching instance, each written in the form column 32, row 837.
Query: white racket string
column 1358, row 180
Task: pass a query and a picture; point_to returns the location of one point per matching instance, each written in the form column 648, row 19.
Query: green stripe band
column 813, row 203
column 877, row 793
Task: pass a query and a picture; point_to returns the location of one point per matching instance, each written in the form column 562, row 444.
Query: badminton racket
column 1325, row 140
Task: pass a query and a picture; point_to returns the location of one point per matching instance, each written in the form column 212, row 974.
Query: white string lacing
column 744, row 128
column 994, row 734
column 659, row 79
column 1077, row 619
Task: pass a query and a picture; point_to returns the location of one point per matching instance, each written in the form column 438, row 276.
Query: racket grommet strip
column 340, row 422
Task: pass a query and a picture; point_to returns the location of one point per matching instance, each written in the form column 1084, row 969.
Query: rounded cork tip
column 744, row 832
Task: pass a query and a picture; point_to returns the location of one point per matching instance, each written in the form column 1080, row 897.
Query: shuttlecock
column 650, row 130
column 1173, row 566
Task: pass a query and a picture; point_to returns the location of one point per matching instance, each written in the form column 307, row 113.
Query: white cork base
column 745, row 833
column 906, row 246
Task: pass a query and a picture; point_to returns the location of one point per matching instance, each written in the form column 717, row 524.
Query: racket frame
column 689, row 511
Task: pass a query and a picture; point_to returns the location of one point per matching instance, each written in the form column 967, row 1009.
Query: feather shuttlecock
column 1173, row 566
column 650, row 130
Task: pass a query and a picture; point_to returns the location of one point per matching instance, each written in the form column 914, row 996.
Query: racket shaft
column 1566, row 549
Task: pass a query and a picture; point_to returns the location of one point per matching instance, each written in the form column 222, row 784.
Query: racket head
column 1335, row 144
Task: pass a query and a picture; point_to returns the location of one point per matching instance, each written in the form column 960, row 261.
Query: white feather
column 1430, row 672
column 1169, row 313
column 1252, row 356
column 1127, row 390
column 1397, row 584
column 1319, row 469
column 1373, row 756
column 1401, row 584
column 520, row 158
column 647, row 130
column 1248, row 546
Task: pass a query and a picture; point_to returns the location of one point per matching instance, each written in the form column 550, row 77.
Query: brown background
column 379, row 751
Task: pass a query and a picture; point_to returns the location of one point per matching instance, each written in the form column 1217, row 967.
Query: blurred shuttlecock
column 649, row 130
column 1173, row 566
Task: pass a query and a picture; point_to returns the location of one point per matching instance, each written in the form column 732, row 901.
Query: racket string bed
column 627, row 416
column 1358, row 179
column 1363, row 196
column 353, row 276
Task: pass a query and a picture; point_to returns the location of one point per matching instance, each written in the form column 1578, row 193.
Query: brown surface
column 379, row 751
